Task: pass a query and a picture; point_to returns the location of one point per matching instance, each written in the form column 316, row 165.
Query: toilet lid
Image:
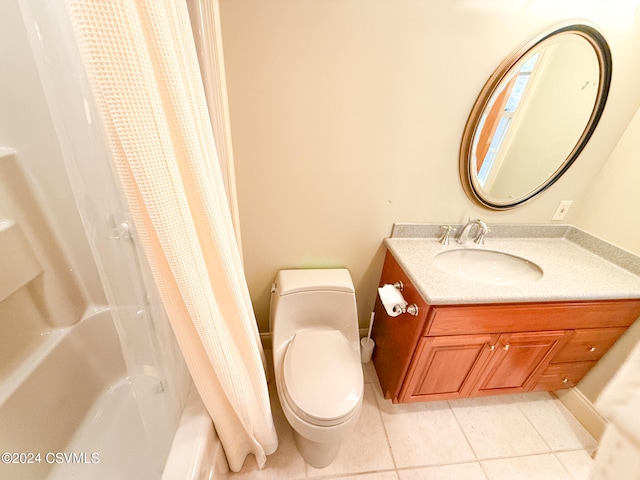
column 322, row 376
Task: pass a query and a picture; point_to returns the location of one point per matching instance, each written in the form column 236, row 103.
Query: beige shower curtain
column 142, row 67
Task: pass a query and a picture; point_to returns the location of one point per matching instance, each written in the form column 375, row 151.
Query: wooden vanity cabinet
column 444, row 366
column 517, row 360
column 456, row 351
column 475, row 365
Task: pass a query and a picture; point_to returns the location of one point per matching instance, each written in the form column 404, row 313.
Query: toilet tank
column 313, row 298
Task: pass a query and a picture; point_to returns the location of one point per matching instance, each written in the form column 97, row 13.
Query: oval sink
column 488, row 266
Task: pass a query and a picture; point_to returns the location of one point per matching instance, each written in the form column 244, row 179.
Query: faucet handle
column 444, row 238
column 479, row 240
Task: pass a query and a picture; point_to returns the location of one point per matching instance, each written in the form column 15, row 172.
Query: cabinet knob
column 492, row 347
column 565, row 380
column 591, row 349
column 505, row 347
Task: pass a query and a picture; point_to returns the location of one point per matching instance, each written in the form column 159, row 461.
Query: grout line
column 376, row 386
column 437, row 465
column 464, row 433
column 453, row 411
column 484, row 470
column 492, row 459
column 355, row 474
column 535, row 429
column 563, row 465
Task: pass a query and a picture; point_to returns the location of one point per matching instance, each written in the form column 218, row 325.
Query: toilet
column 316, row 358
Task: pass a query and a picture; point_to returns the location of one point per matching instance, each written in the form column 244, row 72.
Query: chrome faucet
column 482, row 231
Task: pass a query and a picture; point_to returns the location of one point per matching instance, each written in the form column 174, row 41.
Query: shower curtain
column 619, row 453
column 142, row 67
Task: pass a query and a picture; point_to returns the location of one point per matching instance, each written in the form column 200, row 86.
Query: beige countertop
column 575, row 265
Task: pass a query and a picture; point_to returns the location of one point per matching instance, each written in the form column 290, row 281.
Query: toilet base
column 316, row 454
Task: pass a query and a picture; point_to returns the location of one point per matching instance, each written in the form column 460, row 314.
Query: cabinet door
column 446, row 367
column 517, row 360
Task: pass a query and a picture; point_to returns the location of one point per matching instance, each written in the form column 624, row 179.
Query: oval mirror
column 534, row 116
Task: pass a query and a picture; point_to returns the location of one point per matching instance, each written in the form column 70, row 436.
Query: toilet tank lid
column 328, row 279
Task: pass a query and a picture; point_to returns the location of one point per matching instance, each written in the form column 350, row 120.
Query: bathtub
column 75, row 415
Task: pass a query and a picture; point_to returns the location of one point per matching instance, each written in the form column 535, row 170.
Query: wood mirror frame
column 497, row 81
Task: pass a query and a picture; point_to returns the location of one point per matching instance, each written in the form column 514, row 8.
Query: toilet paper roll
column 392, row 300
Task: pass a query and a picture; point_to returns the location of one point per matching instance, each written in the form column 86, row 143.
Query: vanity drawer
column 589, row 344
column 562, row 375
column 524, row 317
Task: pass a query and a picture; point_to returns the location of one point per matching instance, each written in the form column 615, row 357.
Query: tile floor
column 528, row 436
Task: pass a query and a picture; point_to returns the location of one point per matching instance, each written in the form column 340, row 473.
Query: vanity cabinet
column 444, row 366
column 456, row 351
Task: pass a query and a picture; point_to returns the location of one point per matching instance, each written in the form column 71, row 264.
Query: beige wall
column 346, row 116
column 611, row 212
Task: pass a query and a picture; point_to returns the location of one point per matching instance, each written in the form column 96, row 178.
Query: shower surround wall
column 39, row 295
column 69, row 274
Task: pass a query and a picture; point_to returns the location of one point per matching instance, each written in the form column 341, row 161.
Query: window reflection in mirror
column 502, row 109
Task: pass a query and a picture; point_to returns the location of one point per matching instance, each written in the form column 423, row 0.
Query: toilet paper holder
column 410, row 309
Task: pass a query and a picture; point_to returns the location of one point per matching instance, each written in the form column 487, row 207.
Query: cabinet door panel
column 445, row 367
column 518, row 360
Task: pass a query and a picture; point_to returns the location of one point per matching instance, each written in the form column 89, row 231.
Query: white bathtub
column 75, row 416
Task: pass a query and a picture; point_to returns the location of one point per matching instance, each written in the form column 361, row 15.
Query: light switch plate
column 562, row 210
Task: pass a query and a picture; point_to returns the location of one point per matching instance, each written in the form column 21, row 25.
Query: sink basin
column 488, row 266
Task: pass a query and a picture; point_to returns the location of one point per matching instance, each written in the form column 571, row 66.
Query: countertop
column 575, row 264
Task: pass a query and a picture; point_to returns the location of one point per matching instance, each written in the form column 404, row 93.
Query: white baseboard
column 584, row 411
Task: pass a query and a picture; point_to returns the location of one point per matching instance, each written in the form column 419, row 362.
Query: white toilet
column 316, row 358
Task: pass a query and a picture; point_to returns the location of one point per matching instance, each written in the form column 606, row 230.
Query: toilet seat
column 322, row 377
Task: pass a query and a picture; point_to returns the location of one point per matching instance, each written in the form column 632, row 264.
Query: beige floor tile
column 512, row 435
column 534, row 467
column 578, row 463
column 555, row 423
column 497, row 428
column 286, row 463
column 365, row 448
column 370, row 375
column 462, row 471
column 423, row 434
column 390, row 475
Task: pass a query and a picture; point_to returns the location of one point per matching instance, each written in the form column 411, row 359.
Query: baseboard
column 267, row 340
column 584, row 411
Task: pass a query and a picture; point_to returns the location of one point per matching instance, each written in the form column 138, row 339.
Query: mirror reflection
column 534, row 116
